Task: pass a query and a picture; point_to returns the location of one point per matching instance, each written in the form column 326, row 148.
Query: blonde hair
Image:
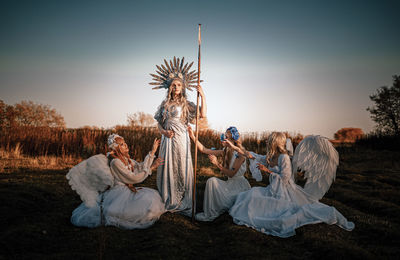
column 116, row 153
column 182, row 100
column 275, row 145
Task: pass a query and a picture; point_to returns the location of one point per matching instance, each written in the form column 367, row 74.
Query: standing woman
column 175, row 177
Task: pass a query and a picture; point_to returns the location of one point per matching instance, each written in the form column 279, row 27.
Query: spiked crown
column 174, row 69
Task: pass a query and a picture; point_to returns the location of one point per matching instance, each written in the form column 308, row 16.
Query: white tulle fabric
column 282, row 206
column 220, row 195
column 90, row 177
column 120, row 206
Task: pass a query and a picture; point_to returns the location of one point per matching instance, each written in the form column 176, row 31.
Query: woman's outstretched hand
column 156, row 143
column 157, row 163
column 229, row 143
column 213, row 159
column 263, row 168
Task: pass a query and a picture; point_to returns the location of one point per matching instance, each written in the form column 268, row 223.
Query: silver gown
column 175, row 177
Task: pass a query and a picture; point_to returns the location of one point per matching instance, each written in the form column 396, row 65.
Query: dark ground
column 35, row 207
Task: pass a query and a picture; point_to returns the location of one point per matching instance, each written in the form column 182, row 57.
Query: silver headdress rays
column 175, row 69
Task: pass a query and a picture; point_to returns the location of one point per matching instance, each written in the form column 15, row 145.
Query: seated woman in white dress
column 219, row 195
column 121, row 204
column 282, row 206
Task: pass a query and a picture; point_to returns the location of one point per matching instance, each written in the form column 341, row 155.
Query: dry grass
column 36, row 203
column 12, row 161
column 35, row 207
column 85, row 142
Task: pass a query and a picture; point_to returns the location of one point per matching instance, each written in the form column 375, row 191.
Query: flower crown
column 111, row 142
column 173, row 70
column 234, row 132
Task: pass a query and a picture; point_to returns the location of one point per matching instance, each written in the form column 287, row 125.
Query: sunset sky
column 299, row 66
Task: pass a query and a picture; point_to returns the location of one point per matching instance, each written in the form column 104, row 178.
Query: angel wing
column 317, row 157
column 90, row 177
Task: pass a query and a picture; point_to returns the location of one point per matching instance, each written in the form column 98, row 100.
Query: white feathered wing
column 90, row 177
column 317, row 157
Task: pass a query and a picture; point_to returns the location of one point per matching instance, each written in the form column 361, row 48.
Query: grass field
column 36, row 204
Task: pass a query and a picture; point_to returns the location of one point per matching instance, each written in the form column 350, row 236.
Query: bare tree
column 386, row 110
column 3, row 107
column 28, row 113
column 7, row 115
column 141, row 119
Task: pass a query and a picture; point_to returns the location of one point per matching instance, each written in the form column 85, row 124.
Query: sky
column 300, row 66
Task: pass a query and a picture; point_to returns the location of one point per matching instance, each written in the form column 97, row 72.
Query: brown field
column 36, row 203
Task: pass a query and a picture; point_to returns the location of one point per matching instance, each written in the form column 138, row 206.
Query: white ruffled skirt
column 220, row 195
column 121, row 208
column 272, row 212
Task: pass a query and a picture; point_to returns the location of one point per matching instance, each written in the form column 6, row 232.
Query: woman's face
column 123, row 146
column 176, row 86
column 228, row 135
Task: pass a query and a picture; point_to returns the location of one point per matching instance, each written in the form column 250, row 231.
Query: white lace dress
column 220, row 195
column 282, row 206
column 119, row 206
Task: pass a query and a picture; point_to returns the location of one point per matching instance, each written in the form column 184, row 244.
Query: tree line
column 28, row 113
column 385, row 112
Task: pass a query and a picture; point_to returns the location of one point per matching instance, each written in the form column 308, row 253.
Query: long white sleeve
column 255, row 172
column 285, row 168
column 124, row 175
column 145, row 165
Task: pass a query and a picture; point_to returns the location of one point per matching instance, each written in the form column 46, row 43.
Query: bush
column 348, row 134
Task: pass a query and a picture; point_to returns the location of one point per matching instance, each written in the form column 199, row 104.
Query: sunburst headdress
column 175, row 69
